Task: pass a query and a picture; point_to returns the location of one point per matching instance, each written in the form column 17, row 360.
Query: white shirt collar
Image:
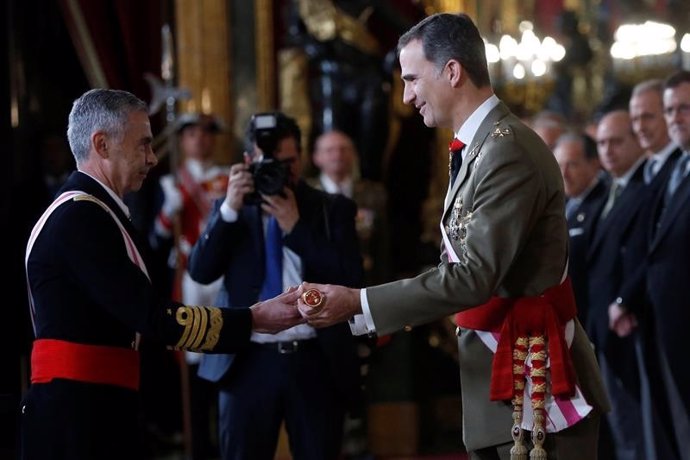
column 469, row 129
column 112, row 194
column 329, row 185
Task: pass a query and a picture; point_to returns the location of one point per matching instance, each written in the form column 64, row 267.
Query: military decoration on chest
column 457, row 228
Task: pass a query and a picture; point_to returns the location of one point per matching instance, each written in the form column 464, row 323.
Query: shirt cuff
column 227, row 213
column 364, row 323
column 357, row 325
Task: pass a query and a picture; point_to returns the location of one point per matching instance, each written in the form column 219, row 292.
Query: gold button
column 407, row 328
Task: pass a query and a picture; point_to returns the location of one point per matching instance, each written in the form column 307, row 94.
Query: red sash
column 544, row 315
column 52, row 359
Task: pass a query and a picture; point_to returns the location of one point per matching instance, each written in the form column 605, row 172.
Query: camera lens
column 270, row 177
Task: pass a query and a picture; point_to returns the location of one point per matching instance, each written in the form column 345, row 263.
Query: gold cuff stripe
column 182, row 316
column 213, row 333
column 189, row 317
column 199, row 323
column 196, row 328
column 201, row 331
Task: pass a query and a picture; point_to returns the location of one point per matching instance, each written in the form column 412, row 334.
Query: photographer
column 303, row 377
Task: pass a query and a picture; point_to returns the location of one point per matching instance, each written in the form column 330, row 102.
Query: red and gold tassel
column 537, row 347
column 519, row 450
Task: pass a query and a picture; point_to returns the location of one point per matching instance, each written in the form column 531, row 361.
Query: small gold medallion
column 313, row 298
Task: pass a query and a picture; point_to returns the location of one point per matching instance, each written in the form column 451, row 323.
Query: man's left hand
column 283, row 208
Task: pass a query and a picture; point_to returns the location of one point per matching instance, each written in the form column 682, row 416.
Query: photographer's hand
column 283, row 208
column 239, row 184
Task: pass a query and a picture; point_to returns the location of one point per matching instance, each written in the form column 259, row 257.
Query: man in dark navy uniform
column 90, row 295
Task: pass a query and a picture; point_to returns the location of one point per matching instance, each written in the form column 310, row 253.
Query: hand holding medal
column 323, row 305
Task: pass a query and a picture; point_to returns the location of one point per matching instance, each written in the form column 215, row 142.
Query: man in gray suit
column 503, row 264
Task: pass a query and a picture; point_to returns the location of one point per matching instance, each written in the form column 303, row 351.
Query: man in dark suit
column 608, row 259
column 504, row 252
column 90, row 294
column 585, row 186
column 303, row 377
column 664, row 285
column 648, row 122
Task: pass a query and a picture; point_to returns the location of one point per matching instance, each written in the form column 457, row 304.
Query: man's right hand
column 277, row 314
column 239, row 184
column 340, row 303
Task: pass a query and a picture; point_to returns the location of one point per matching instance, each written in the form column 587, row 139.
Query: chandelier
column 643, row 50
column 521, row 70
column 527, row 59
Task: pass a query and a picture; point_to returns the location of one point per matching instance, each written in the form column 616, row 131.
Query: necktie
column 273, row 278
column 571, row 206
column 614, row 193
column 650, row 170
column 677, row 175
column 454, row 158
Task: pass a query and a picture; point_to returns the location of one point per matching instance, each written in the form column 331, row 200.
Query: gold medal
column 313, row 298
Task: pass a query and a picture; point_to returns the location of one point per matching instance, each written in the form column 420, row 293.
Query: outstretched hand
column 277, row 314
column 338, row 304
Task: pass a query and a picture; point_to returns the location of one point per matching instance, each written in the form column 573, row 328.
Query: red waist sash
column 544, row 315
column 52, row 359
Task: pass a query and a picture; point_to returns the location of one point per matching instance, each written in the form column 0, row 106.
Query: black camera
column 270, row 175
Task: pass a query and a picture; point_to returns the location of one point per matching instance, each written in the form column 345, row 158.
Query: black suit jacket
column 633, row 292
column 608, row 255
column 326, row 241
column 668, row 272
column 580, row 225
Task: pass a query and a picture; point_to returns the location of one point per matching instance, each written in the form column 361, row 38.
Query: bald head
column 617, row 144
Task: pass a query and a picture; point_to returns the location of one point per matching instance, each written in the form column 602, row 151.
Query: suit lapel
column 585, row 214
column 678, row 202
column 622, row 213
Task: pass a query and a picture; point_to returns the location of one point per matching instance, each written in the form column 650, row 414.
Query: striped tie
column 614, row 193
column 679, row 172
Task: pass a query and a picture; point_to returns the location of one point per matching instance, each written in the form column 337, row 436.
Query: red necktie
column 454, row 158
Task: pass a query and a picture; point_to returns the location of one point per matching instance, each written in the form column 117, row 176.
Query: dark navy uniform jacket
column 87, row 290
